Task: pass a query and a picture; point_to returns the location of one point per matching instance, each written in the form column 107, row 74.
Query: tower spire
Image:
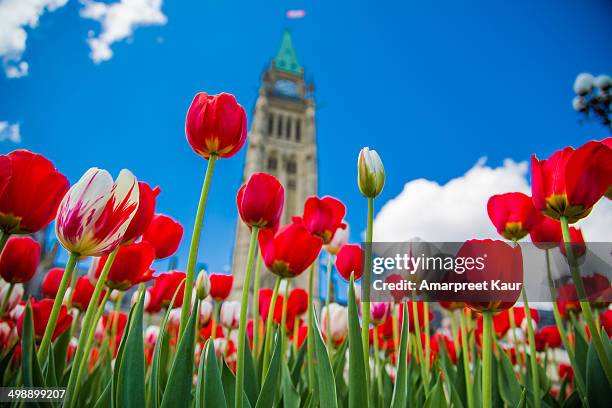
column 286, row 58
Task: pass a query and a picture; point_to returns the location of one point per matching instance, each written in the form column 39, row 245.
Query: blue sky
column 432, row 86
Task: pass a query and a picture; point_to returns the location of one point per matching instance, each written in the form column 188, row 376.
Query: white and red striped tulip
column 95, row 213
column 230, row 314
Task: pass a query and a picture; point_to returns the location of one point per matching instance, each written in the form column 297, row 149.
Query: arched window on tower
column 288, row 129
column 270, row 124
column 279, row 126
column 272, row 163
column 291, row 167
column 298, row 130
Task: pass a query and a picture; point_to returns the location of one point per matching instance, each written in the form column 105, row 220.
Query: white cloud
column 119, row 20
column 10, row 132
column 15, row 17
column 457, row 210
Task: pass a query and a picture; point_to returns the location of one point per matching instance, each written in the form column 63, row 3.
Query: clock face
column 286, row 87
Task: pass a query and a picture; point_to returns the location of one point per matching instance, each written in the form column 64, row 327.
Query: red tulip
column 566, row 370
column 302, row 334
column 450, row 305
column 216, row 125
column 547, row 234
column 350, row 260
column 19, row 259
column 501, row 262
column 107, row 322
column 436, row 346
column 163, row 290
column 577, row 243
column 220, row 286
column 598, row 290
column 51, row 282
column 144, row 214
column 5, row 172
column 288, row 252
column 265, row 298
column 571, row 181
column 513, row 214
column 608, row 142
column 420, row 312
column 260, row 201
column 323, row 216
column 548, row 337
column 567, row 300
column 131, row 266
column 297, row 304
column 164, row 234
column 29, row 200
column 40, row 315
column 83, row 291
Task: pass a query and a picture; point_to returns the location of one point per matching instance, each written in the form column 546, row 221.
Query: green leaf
column 358, row 384
column 60, row 349
column 27, row 347
column 325, row 375
column 131, row 384
column 509, row 387
column 229, row 386
column 251, row 385
column 119, row 357
column 105, row 398
column 401, row 382
column 4, row 363
column 181, row 373
column 50, row 378
column 596, row 381
column 436, row 397
column 298, row 364
column 272, row 379
column 159, row 352
column 291, row 398
column 523, row 400
column 210, row 393
column 581, row 349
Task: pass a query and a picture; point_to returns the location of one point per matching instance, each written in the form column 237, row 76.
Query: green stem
column 115, row 320
column 377, row 365
column 214, row 317
column 89, row 336
column 269, row 321
column 395, row 321
column 257, row 282
column 419, row 347
column 559, row 322
column 195, row 244
column 327, row 301
column 535, row 377
column 466, row 360
column 517, row 345
column 3, row 238
column 57, row 304
column 283, row 329
column 427, row 338
column 365, row 301
column 310, row 337
column 453, row 319
column 487, row 400
column 73, row 381
column 584, row 302
column 244, row 305
column 6, row 298
column 73, row 280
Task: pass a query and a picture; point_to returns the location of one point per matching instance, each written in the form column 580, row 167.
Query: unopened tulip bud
column 583, row 84
column 202, row 285
column 379, row 311
column 338, row 321
column 14, row 298
column 16, row 312
column 230, row 314
column 151, row 335
column 340, row 238
column 370, row 173
column 174, row 317
column 206, row 311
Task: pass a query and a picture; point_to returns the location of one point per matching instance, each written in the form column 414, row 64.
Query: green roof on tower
column 286, row 58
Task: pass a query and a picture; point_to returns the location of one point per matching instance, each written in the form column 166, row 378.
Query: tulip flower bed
column 183, row 343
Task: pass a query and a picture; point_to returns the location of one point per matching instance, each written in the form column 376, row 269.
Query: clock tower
column 282, row 142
